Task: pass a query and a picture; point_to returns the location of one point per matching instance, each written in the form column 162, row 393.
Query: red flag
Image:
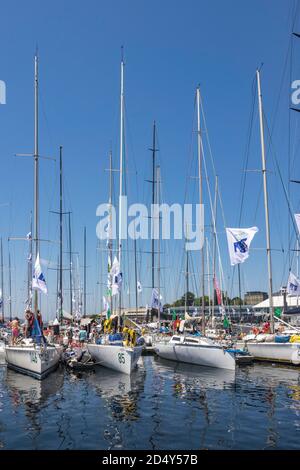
column 218, row 292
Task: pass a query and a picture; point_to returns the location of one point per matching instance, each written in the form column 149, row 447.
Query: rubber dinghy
column 200, row 351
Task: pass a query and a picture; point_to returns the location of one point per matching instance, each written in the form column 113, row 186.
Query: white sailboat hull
column 119, row 358
column 288, row 353
column 201, row 355
column 36, row 361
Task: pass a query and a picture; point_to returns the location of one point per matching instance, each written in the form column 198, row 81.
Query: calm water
column 162, row 406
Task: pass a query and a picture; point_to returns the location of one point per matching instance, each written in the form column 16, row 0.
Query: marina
column 150, row 229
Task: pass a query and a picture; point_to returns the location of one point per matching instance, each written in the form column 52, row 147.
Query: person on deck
column 15, row 329
column 29, row 320
column 82, row 335
column 39, row 319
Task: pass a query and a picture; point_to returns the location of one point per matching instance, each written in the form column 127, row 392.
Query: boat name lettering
column 33, row 357
column 121, row 358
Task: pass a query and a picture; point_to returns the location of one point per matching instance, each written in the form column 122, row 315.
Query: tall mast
column 214, row 245
column 154, row 150
column 186, row 281
column 110, row 223
column 2, row 282
column 199, row 140
column 208, row 278
column 9, row 284
column 135, row 276
column 264, row 172
column 36, row 171
column 70, row 266
column 60, row 236
column 121, row 166
column 29, row 275
column 158, row 242
column 84, row 272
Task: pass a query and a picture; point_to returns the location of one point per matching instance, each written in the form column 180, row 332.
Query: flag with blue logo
column 38, row 280
column 156, row 300
column 293, row 287
column 116, row 277
column 239, row 240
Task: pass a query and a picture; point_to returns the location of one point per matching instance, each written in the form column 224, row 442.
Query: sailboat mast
column 110, row 225
column 9, row 284
column 121, row 167
column 214, row 245
column 186, row 280
column 199, row 140
column 208, row 279
column 264, row 172
column 29, row 274
column 153, row 200
column 36, row 171
column 2, row 282
column 84, row 272
column 135, row 277
column 70, row 266
column 158, row 242
column 60, row 236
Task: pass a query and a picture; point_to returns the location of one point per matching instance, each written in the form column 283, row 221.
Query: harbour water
column 163, row 405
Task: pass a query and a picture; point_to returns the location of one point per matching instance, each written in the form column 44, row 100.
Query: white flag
column 155, row 300
column 38, row 280
column 222, row 310
column 139, row 287
column 105, row 304
column 297, row 218
column 239, row 240
column 293, row 287
column 116, row 277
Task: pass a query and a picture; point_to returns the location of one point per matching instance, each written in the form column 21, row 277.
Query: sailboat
column 36, row 359
column 116, row 356
column 187, row 348
column 260, row 347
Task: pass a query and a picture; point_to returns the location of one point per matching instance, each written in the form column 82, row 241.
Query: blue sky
column 170, row 47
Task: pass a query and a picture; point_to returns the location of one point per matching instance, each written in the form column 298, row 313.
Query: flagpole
column 264, row 172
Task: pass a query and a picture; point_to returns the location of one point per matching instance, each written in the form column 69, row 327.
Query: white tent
column 278, row 302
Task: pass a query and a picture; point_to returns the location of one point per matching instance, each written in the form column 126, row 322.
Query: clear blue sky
column 170, row 47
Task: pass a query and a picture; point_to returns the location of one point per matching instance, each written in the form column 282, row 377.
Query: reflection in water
column 163, row 405
column 31, row 392
column 120, row 391
column 31, row 395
